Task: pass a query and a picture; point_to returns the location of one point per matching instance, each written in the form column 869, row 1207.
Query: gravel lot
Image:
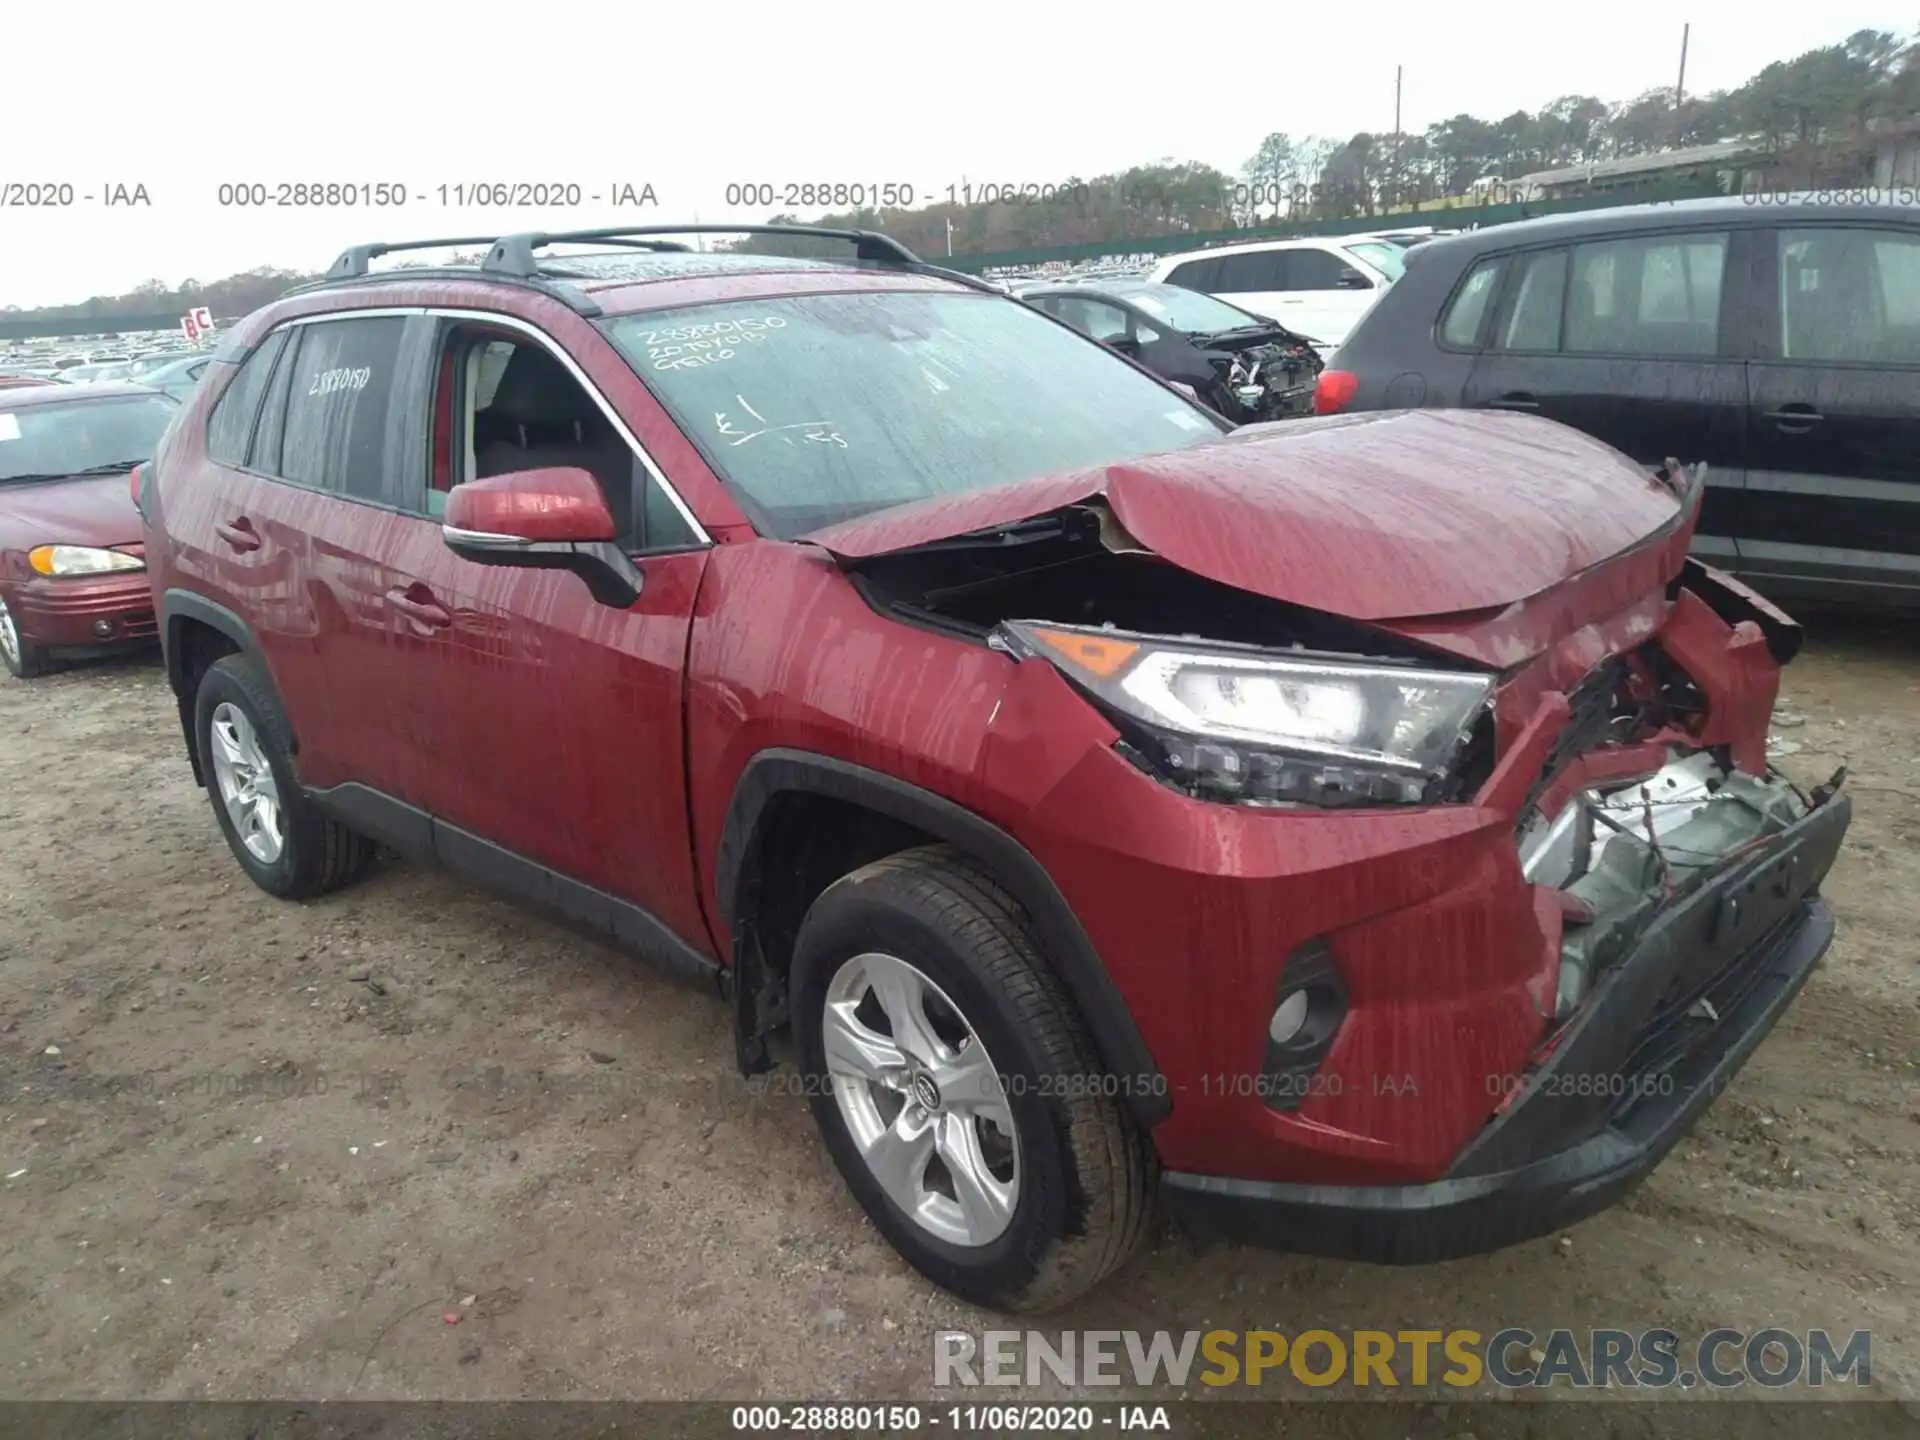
column 279, row 1144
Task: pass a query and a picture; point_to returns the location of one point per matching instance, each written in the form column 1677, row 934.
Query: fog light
column 1310, row 1003
column 1288, row 1017
column 103, row 628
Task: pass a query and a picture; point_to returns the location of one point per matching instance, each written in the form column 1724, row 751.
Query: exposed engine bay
column 1622, row 853
column 1270, row 378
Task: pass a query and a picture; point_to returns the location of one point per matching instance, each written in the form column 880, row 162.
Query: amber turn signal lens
column 1095, row 654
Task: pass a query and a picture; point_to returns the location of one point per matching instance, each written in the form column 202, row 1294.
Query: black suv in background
column 1775, row 338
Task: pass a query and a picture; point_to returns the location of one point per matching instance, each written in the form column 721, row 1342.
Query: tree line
column 1815, row 113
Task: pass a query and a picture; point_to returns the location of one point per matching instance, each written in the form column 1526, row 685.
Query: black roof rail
column 352, row 262
column 513, row 254
column 574, row 299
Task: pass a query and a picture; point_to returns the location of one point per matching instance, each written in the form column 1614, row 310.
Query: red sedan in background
column 72, row 577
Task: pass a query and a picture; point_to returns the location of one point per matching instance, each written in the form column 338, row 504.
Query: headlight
column 1243, row 724
column 79, row 560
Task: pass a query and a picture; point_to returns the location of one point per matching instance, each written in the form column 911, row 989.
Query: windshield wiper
column 112, row 467
column 1014, row 532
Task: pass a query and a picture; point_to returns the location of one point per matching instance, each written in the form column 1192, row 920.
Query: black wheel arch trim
column 774, row 772
column 176, row 605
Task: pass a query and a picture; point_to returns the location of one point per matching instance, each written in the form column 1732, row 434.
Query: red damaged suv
column 1353, row 834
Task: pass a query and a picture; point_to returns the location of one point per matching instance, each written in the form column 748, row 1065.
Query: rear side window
column 1850, row 294
column 1248, row 274
column 230, row 430
column 338, row 403
column 1461, row 327
column 1654, row 296
column 1533, row 321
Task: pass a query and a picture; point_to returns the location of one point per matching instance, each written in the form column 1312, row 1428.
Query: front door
column 1833, row 424
column 555, row 722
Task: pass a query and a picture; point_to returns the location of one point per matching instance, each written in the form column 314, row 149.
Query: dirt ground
column 278, row 1144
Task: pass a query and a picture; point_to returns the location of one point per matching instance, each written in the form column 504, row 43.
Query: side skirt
column 421, row 837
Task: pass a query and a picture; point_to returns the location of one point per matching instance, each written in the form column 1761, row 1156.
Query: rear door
column 1632, row 340
column 1833, row 424
column 341, row 458
column 1253, row 281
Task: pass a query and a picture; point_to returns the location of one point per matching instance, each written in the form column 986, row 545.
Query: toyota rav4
column 1355, row 834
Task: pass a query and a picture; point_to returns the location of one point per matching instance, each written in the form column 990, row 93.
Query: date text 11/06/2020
column 1235, row 197
column 465, row 194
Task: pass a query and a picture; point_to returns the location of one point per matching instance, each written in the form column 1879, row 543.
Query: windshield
column 1389, row 259
column 1189, row 310
column 67, row 437
column 818, row 408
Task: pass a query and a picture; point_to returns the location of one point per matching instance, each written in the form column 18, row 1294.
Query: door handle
column 422, row 612
column 1795, row 419
column 239, row 534
column 1515, row 400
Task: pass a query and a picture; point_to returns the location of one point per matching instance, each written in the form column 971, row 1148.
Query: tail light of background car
column 1334, row 391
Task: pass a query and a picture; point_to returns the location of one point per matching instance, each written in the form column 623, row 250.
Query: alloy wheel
column 922, row 1099
column 247, row 786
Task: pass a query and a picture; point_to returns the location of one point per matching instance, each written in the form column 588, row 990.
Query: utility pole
column 949, row 237
column 1680, row 89
column 1397, row 72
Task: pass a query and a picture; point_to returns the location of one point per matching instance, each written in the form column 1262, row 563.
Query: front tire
column 23, row 661
column 284, row 842
column 956, row 1087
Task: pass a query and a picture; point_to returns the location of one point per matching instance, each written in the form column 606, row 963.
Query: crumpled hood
column 1392, row 515
column 97, row 510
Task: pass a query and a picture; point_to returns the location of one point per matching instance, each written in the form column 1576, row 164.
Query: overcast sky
column 180, row 98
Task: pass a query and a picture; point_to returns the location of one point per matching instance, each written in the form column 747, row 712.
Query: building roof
column 1724, row 152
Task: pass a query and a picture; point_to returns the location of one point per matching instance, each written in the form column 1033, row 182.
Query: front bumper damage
column 1660, row 1034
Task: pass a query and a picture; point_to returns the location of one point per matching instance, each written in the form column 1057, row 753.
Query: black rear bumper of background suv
column 1659, row 1043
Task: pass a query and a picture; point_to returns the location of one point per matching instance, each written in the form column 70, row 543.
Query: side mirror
column 1353, row 280
column 1125, row 344
column 548, row 519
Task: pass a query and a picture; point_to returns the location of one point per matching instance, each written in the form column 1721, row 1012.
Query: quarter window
column 230, row 429
column 1194, row 275
column 1850, row 294
column 1462, row 326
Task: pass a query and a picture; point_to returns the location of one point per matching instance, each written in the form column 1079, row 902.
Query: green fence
column 1440, row 217
column 94, row 325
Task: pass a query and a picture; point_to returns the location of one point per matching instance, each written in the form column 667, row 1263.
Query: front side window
column 1533, row 323
column 1094, row 318
column 817, row 408
column 1319, row 270
column 1850, row 295
column 81, row 436
column 1654, row 296
column 1189, row 312
column 1385, row 256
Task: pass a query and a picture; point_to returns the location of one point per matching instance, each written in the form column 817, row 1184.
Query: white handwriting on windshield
column 820, row 432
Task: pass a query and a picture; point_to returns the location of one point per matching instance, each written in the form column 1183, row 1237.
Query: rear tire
column 1020, row 1221
column 287, row 845
column 23, row 661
